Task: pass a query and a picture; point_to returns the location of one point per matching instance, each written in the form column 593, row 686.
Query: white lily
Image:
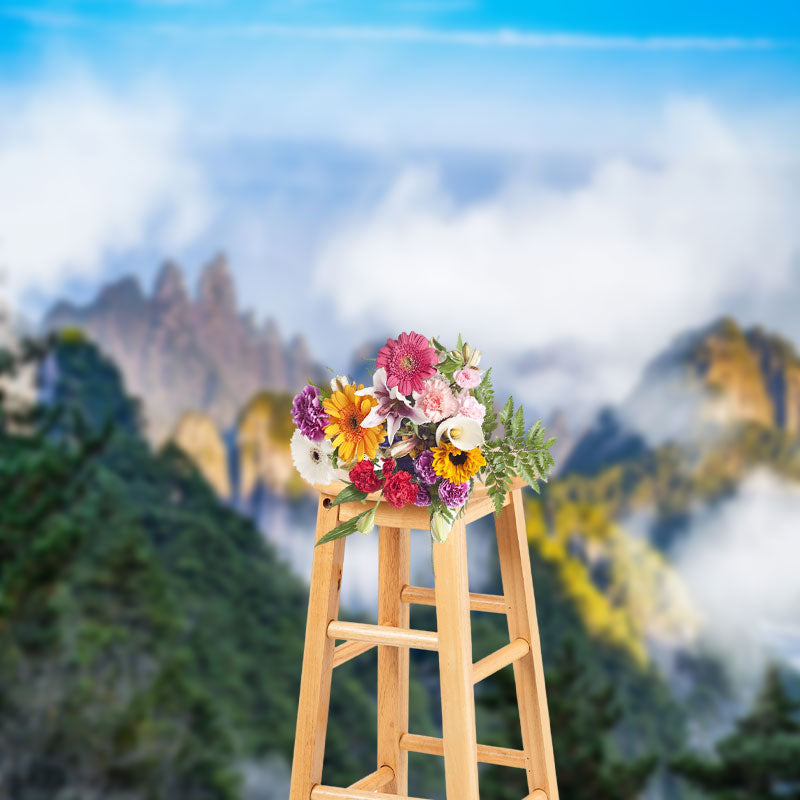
column 461, row 431
column 392, row 407
column 404, row 446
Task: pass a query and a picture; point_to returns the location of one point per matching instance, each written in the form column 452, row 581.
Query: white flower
column 392, row 407
column 404, row 446
column 342, row 473
column 463, row 432
column 312, row 459
column 339, row 382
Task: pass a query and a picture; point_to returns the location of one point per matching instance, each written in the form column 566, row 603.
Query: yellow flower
column 346, row 412
column 457, row 466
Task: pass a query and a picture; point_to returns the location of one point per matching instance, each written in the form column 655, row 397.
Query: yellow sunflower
column 457, row 466
column 346, row 412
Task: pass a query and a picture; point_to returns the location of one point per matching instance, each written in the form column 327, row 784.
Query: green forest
column 151, row 639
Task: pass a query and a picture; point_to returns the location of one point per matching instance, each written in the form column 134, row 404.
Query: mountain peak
column 717, row 376
column 123, row 293
column 184, row 354
column 726, row 326
column 216, row 289
column 170, row 285
column 270, row 330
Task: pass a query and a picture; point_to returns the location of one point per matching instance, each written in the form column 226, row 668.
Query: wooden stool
column 393, row 637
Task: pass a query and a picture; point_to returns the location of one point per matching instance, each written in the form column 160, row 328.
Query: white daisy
column 312, row 459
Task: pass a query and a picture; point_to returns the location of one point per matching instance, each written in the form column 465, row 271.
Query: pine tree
column 583, row 715
column 760, row 759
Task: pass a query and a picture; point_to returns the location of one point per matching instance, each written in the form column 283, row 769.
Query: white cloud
column 740, row 566
column 85, row 176
column 506, row 37
column 491, row 38
column 616, row 265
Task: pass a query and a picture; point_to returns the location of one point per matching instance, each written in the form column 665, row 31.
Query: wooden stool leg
column 315, row 682
column 393, row 574
column 455, row 665
column 515, row 568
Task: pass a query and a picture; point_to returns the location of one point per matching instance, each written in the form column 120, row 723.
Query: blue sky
column 331, row 145
column 520, row 50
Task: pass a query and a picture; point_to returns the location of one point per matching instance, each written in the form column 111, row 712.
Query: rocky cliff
column 251, row 457
column 734, row 375
column 200, row 438
column 263, row 431
column 182, row 353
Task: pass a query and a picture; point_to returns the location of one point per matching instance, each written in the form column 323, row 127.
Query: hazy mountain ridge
column 713, row 413
column 181, row 353
column 717, row 403
column 226, row 656
column 696, row 392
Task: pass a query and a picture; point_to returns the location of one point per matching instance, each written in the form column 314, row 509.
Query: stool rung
column 344, row 652
column 506, row 655
column 320, row 792
column 383, row 634
column 375, row 780
column 488, row 754
column 537, row 794
column 422, row 596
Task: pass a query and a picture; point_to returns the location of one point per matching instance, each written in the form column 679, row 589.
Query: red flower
column 388, row 467
column 399, row 491
column 364, row 478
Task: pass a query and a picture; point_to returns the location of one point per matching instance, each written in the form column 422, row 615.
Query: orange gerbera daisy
column 346, row 412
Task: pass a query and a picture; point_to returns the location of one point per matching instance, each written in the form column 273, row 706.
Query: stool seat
column 479, row 505
column 452, row 641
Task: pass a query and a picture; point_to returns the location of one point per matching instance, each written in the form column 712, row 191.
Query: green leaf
column 508, row 410
column 498, row 495
column 518, row 424
column 449, row 366
column 348, row 495
column 484, row 393
column 528, row 475
column 344, row 529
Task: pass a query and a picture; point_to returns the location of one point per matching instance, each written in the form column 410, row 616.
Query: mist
column 740, row 564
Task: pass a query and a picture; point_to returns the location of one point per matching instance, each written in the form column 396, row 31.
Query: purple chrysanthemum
column 453, row 495
column 423, row 498
column 423, row 466
column 309, row 415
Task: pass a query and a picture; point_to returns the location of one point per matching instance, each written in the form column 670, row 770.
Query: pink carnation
column 437, row 400
column 468, row 406
column 467, row 378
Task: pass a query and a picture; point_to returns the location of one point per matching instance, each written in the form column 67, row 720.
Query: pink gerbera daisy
column 408, row 361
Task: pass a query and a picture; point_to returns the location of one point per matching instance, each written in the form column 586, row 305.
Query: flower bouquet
column 422, row 434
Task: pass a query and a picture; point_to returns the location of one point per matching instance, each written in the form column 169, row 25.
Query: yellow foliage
column 643, row 597
column 71, row 335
